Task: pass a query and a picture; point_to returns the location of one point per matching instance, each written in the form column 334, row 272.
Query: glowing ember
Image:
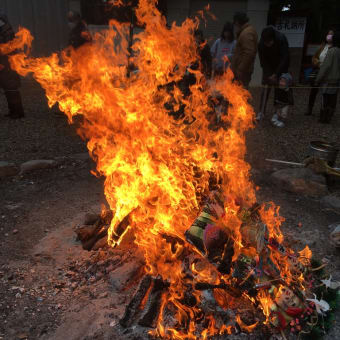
column 157, row 169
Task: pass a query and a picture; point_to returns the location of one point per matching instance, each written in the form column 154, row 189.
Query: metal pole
column 291, row 163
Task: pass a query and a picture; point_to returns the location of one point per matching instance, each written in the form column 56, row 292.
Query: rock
column 13, row 206
column 335, row 235
column 37, row 164
column 121, row 277
column 300, row 181
column 331, row 202
column 8, row 169
column 91, row 218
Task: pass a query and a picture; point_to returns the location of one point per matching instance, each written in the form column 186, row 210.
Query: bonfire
column 182, row 189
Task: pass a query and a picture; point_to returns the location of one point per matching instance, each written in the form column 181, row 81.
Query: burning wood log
column 98, row 235
column 89, row 235
column 153, row 304
column 133, row 307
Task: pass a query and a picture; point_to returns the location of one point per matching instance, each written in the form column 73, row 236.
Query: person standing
column 329, row 78
column 9, row 79
column 274, row 59
column 79, row 34
column 243, row 59
column 317, row 61
column 223, row 49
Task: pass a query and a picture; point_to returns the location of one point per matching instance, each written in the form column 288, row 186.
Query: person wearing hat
column 274, row 59
column 9, row 79
column 283, row 98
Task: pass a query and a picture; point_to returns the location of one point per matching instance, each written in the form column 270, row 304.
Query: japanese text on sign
column 291, row 25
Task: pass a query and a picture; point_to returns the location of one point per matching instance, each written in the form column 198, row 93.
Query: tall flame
column 156, row 168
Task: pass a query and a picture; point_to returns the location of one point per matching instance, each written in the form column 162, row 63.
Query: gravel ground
column 36, row 206
column 290, row 143
column 43, row 134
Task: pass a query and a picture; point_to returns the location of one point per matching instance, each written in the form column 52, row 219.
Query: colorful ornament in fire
column 288, row 285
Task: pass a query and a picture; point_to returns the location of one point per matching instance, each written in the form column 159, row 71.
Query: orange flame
column 244, row 327
column 305, row 256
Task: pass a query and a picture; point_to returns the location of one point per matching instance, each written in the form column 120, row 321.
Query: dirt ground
column 48, row 286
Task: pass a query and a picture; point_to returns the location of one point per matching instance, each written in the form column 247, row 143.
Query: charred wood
column 88, row 245
column 133, row 307
column 153, row 305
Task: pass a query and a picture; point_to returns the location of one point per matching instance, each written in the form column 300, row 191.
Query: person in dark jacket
column 9, row 79
column 79, row 34
column 274, row 56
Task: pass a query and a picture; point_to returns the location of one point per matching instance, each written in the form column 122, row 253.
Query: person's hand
column 1, row 67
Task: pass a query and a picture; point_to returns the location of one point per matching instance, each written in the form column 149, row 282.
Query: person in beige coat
column 317, row 61
column 246, row 48
column 329, row 78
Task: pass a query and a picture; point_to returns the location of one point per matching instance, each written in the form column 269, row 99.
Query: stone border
column 9, row 169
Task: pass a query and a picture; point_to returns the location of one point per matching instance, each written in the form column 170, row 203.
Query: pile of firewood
column 93, row 233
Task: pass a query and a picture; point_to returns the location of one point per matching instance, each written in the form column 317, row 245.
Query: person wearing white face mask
column 317, row 61
column 9, row 79
column 79, row 34
column 329, row 78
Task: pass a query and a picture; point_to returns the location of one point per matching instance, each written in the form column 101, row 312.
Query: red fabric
column 294, row 311
column 282, row 321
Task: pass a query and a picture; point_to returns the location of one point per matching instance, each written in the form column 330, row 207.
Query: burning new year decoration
column 182, row 189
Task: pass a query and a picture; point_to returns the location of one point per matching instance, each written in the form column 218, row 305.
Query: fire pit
column 180, row 190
